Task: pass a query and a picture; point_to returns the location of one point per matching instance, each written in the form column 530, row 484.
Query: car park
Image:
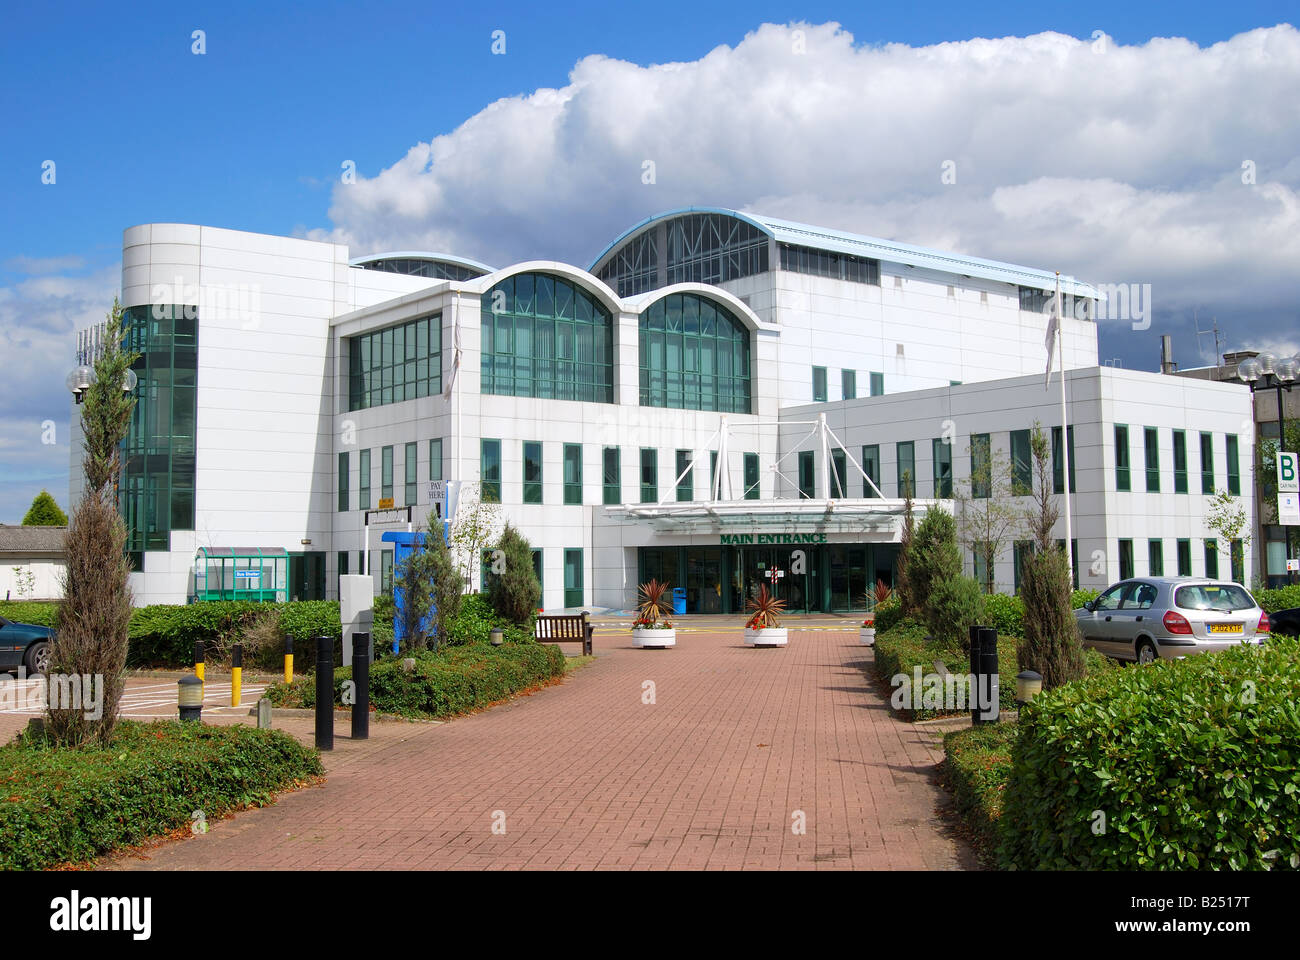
column 1147, row 618
column 24, row 645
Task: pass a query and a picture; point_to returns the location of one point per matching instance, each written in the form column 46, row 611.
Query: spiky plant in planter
column 763, row 628
column 652, row 628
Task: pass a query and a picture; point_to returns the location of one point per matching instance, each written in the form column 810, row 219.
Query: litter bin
column 679, row 600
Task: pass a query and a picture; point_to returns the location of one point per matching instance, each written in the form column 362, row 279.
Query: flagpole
column 1065, row 431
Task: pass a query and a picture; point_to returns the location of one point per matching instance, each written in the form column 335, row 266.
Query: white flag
column 1052, row 326
column 455, row 361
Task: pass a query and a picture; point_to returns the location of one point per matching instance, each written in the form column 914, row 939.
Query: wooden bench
column 565, row 629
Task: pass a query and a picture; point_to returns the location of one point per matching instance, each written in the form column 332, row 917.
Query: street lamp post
column 1267, row 371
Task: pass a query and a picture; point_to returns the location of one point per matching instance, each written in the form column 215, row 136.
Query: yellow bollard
column 288, row 659
column 236, row 673
column 198, row 659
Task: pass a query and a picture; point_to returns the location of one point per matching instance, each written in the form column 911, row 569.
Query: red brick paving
column 590, row 777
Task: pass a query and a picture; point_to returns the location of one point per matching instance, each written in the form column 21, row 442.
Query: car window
column 1146, row 596
column 1213, row 596
column 1129, row 599
column 1110, row 599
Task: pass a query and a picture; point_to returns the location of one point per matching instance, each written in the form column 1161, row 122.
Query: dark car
column 24, row 645
column 1286, row 622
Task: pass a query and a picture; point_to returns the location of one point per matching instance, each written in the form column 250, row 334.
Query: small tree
column 902, row 580
column 90, row 636
column 448, row 586
column 953, row 606
column 1051, row 644
column 986, row 506
column 512, row 586
column 933, row 556
column 1226, row 516
column 413, row 579
column 472, row 528
column 45, row 512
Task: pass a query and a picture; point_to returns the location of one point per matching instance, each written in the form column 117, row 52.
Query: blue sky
column 251, row 136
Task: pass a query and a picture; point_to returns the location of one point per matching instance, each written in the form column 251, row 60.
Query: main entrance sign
column 742, row 539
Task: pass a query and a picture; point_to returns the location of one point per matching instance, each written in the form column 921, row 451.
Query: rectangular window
column 1022, row 464
column 412, row 467
column 1212, row 559
column 649, row 475
column 386, row 473
column 877, row 384
column 1207, row 464
column 343, row 563
column 981, row 466
column 573, row 592
column 1022, row 551
column 906, row 469
column 942, row 469
column 839, row 474
column 611, row 475
column 686, row 481
column 386, row 571
column 343, row 482
column 871, row 467
column 751, row 477
column 435, row 459
column 363, row 481
column 1155, row 558
column 490, row 471
column 1237, row 549
column 396, row 364
column 1121, row 458
column 849, row 384
column 539, row 568
column 807, row 475
column 1180, row 466
column 1151, row 449
column 979, row 566
column 819, row 384
column 1184, row 558
column 1058, row 482
column 1125, row 559
column 1234, row 468
column 1074, row 559
column 532, row 472
column 573, row 473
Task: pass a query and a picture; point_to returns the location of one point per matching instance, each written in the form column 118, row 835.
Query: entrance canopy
column 241, row 573
column 876, row 518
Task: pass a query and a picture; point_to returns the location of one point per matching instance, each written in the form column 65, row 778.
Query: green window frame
column 981, row 466
column 694, row 355
column 685, row 474
column 877, row 384
column 1234, row 465
column 1180, row 466
column 574, row 594
column 1207, row 464
column 386, row 473
column 363, row 480
column 435, row 459
column 1155, row 558
column 978, row 567
column 1237, row 554
column 386, row 571
column 942, row 451
column 1151, row 452
column 1184, row 557
column 1074, row 558
column 1020, row 552
column 839, row 474
column 533, row 469
column 1126, row 559
column 1123, row 482
column 807, row 475
column 411, row 464
column 649, row 475
column 871, row 467
column 395, row 364
column 539, row 568
column 490, row 471
column 1022, row 464
column 546, row 337
column 1058, row 484
column 905, row 468
column 849, row 384
column 819, row 384
column 1212, row 559
column 752, row 483
column 343, row 482
column 573, row 473
column 611, row 478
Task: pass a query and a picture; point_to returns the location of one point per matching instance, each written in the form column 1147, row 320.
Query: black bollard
column 324, row 693
column 361, row 677
column 987, row 677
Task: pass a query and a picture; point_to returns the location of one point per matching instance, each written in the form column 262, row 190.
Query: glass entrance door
column 704, row 580
column 794, row 588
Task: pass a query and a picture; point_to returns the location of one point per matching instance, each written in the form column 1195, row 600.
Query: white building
column 287, row 390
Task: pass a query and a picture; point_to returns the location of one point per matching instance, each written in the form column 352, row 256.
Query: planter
column 642, row 637
column 867, row 635
column 767, row 637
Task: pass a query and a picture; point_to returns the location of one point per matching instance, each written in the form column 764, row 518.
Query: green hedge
column 1284, row 598
column 63, row 805
column 976, row 764
column 452, row 681
column 1195, row 764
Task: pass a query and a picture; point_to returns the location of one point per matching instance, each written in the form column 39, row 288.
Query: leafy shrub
column 451, row 681
column 934, row 556
column 477, row 618
column 1005, row 614
column 889, row 613
column 29, row 611
column 952, row 607
column 1194, row 763
column 1051, row 644
column 976, row 764
column 67, row 806
column 1283, row 598
column 514, row 591
column 165, row 634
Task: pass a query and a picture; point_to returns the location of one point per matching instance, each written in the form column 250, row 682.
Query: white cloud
column 1112, row 163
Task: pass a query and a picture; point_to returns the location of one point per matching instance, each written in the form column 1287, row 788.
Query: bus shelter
column 241, row 573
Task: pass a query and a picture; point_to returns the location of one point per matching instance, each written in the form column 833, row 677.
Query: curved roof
column 420, row 255
column 840, row 241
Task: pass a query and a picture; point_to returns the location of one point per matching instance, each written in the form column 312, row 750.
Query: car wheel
column 1146, row 652
column 37, row 658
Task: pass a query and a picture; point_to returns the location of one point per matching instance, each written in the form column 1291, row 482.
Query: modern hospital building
column 716, row 395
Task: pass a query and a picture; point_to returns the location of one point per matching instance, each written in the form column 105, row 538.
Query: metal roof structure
column 421, row 255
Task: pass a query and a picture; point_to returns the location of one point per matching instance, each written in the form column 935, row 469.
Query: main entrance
column 819, row 578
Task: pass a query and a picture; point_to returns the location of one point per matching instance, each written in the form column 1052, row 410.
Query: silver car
column 1170, row 617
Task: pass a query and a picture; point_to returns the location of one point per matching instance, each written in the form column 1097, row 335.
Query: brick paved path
column 585, row 775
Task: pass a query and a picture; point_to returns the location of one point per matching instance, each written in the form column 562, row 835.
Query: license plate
column 1225, row 628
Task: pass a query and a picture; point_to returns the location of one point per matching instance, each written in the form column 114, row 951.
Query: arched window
column 547, row 337
column 694, row 355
